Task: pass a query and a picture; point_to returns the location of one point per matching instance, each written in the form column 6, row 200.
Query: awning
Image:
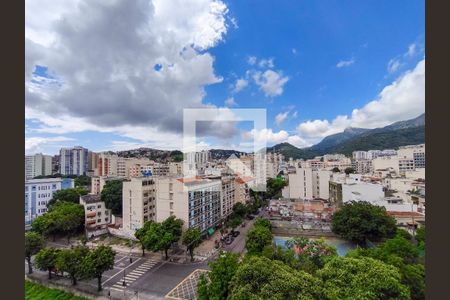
column 211, row 231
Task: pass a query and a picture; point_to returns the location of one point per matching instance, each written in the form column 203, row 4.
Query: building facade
column 39, row 191
column 138, row 202
column 96, row 216
column 74, row 161
column 37, row 165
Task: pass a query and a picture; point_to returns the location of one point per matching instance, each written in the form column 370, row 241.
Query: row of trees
column 154, row 236
column 63, row 217
column 78, row 262
column 311, row 269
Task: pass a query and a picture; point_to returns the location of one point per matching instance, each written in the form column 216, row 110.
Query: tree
column 363, row 278
column 192, row 238
column 349, row 170
column 71, row 261
column 69, row 217
column 157, row 238
column 98, row 261
column 112, row 196
column 239, row 209
column 335, row 170
column 234, row 221
column 420, row 234
column 45, row 225
column 33, row 244
column 140, row 234
column 82, row 180
column 257, row 238
column 361, row 221
column 222, row 271
column 262, row 222
column 262, row 278
column 174, row 226
column 46, row 260
column 317, row 251
column 67, row 195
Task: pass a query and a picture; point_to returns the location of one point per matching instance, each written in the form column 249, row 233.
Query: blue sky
column 312, row 63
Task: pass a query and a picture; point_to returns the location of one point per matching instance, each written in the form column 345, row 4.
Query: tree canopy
column 362, row 221
column 112, row 196
column 96, row 262
column 257, row 238
column 46, row 260
column 261, row 278
column 33, row 244
column 222, row 271
column 361, row 278
column 67, row 195
column 71, row 261
column 192, row 238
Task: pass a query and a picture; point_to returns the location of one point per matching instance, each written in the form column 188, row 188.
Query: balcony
column 90, row 222
column 91, row 214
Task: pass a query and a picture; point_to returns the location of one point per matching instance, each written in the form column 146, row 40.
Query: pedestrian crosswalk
column 134, row 275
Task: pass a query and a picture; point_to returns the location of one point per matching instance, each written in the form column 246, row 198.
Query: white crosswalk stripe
column 134, row 275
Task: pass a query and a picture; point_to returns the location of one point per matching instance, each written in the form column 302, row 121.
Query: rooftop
column 91, row 198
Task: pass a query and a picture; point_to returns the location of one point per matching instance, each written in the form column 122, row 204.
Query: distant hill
column 398, row 134
column 224, row 154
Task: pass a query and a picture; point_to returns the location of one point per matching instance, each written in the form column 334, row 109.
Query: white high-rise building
column 138, row 203
column 74, row 161
column 37, row 165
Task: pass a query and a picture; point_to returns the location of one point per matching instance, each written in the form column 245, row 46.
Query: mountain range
column 398, row 134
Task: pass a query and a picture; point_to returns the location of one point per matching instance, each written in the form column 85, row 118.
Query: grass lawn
column 35, row 291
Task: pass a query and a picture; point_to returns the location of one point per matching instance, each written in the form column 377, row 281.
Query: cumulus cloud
column 281, row 117
column 345, row 63
column 401, row 100
column 105, row 71
column 230, row 102
column 412, row 49
column 270, row 82
column 266, row 135
column 240, row 84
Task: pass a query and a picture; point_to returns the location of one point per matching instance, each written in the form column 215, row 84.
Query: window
column 106, row 219
column 99, row 220
column 171, row 205
column 99, row 213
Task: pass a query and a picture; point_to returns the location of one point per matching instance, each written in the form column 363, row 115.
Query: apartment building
column 359, row 155
column 351, row 188
column 227, row 197
column 175, row 168
column 139, row 203
column 242, row 185
column 363, row 166
column 107, row 164
column 37, row 165
column 414, row 153
column 195, row 162
column 386, row 163
column 195, row 200
column 74, row 161
column 307, row 183
column 96, row 216
column 93, row 163
column 39, row 191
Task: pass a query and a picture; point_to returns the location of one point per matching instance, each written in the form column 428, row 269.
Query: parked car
column 243, row 224
column 236, row 233
column 229, row 240
column 250, row 217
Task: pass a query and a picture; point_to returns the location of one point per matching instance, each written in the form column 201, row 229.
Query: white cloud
column 266, row 135
column 393, row 65
column 37, row 144
column 297, row 141
column 266, row 63
column 294, row 51
column 412, row 49
column 345, row 63
column 240, row 84
column 230, row 102
column 103, row 70
column 401, row 100
column 270, row 82
column 295, row 114
column 251, row 60
column 281, row 117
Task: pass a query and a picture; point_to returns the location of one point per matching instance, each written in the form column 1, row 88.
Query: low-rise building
column 96, row 216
